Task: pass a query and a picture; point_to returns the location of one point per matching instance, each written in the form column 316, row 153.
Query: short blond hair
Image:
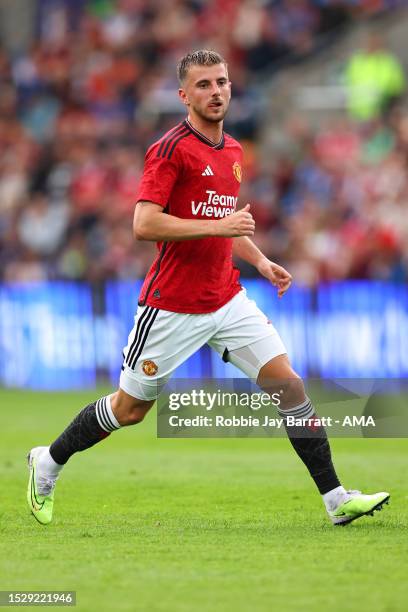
column 203, row 57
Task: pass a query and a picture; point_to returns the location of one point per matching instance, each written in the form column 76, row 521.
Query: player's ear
column 183, row 96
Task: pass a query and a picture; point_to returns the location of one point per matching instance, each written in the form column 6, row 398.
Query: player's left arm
column 245, row 249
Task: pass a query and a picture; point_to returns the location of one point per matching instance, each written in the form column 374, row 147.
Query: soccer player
column 192, row 296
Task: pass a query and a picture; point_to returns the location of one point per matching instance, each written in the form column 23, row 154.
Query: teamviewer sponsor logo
column 217, row 205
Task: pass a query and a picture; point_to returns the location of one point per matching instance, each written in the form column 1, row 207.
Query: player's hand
column 240, row 223
column 278, row 276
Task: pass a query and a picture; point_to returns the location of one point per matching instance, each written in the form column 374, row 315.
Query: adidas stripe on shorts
column 162, row 340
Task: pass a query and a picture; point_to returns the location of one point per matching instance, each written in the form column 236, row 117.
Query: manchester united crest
column 149, row 367
column 236, row 168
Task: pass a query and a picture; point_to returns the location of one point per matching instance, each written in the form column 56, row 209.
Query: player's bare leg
column 312, row 446
column 127, row 409
column 92, row 425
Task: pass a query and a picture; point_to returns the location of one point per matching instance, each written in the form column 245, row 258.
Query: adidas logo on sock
column 207, row 172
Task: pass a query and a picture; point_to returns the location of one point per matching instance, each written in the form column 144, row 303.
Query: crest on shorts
column 149, row 367
column 236, row 168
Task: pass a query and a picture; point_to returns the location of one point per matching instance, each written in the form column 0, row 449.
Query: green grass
column 197, row 525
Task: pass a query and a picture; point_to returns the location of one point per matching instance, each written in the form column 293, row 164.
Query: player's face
column 206, row 92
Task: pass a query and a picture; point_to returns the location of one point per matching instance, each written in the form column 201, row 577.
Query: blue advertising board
column 54, row 336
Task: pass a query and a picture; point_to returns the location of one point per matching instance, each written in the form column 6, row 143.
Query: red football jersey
column 192, row 179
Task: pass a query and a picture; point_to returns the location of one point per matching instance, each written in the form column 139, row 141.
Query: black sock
column 312, row 446
column 93, row 424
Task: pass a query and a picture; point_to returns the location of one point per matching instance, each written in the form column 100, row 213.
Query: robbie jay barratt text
column 250, row 421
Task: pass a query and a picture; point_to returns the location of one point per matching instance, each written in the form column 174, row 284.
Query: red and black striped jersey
column 192, row 179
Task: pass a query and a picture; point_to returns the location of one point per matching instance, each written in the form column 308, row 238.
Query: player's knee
column 129, row 410
column 293, row 393
column 134, row 415
column 279, row 377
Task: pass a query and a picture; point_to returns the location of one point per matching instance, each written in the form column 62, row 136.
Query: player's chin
column 215, row 114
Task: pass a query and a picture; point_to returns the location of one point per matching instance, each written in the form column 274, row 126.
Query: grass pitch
column 204, row 525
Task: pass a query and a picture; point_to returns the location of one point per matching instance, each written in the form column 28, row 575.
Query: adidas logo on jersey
column 207, row 172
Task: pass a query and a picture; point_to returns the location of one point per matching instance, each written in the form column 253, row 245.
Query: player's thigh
column 246, row 338
column 159, row 342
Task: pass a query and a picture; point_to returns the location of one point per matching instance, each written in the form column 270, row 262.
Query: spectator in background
column 375, row 80
column 41, row 227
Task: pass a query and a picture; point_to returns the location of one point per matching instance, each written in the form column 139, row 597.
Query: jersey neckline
column 203, row 138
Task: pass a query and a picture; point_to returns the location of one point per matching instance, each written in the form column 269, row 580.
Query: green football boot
column 356, row 505
column 40, row 491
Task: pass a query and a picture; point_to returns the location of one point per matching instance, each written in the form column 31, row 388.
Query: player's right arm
column 151, row 223
column 161, row 171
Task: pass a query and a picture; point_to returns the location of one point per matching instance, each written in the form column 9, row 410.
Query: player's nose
column 215, row 89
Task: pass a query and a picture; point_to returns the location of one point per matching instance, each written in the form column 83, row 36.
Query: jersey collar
column 203, row 138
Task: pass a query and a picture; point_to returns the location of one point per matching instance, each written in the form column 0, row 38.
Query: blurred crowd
column 335, row 205
column 79, row 108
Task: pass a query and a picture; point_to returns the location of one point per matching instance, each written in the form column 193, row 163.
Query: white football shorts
column 162, row 340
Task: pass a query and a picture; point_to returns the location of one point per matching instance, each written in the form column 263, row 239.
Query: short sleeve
column 159, row 176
